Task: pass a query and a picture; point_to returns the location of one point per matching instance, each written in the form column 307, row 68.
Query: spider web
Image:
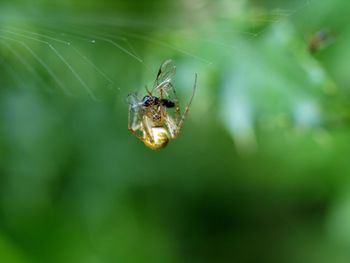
column 89, row 54
column 106, row 56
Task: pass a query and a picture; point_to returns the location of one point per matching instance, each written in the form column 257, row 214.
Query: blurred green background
column 260, row 172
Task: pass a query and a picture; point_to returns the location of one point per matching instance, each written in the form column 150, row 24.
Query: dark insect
column 152, row 100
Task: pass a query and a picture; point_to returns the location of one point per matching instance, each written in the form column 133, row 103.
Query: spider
column 157, row 118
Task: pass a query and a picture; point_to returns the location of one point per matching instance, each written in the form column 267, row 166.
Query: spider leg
column 129, row 125
column 149, row 93
column 136, row 134
column 176, row 102
column 171, row 126
column 184, row 115
column 147, row 129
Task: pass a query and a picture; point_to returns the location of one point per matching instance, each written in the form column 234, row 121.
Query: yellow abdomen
column 160, row 138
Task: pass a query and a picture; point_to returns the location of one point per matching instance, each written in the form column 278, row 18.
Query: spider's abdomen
column 160, row 138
